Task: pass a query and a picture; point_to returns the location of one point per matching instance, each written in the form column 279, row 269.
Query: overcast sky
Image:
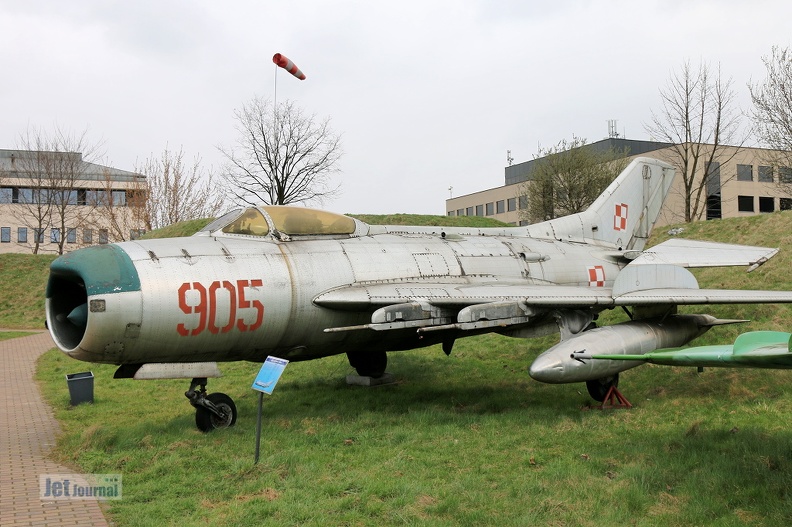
column 427, row 95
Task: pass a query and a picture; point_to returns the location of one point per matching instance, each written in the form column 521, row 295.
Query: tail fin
column 624, row 214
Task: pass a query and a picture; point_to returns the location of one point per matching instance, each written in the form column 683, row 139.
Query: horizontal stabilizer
column 693, row 253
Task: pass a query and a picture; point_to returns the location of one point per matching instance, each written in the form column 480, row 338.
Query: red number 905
column 206, row 308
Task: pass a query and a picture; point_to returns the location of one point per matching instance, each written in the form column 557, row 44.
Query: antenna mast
column 612, row 133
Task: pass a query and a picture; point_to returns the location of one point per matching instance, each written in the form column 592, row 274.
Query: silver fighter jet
column 302, row 284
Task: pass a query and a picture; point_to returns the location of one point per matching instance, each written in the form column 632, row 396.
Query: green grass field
column 460, row 440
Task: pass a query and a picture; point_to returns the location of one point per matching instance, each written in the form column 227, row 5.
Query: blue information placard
column 269, row 374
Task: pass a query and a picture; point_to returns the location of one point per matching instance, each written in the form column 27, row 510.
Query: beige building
column 742, row 184
column 60, row 202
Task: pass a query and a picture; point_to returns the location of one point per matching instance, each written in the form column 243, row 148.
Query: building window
column 6, row 195
column 469, row 211
column 460, row 212
column 490, row 208
column 22, row 195
column 119, row 198
column 785, row 204
column 745, row 203
column 745, row 173
column 39, row 234
column 450, row 213
column 479, row 210
column 766, row 204
column 765, row 174
column 102, row 235
column 5, row 234
column 55, row 235
column 523, row 202
column 22, row 234
column 93, row 197
column 785, row 175
column 511, row 204
column 71, row 235
column 63, row 197
column 500, row 207
column 87, row 236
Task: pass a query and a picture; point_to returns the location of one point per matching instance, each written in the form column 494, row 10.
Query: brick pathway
column 27, row 434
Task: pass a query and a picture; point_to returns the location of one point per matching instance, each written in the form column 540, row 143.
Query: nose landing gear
column 216, row 410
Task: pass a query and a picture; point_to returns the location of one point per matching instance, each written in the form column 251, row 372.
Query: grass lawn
column 460, row 440
column 5, row 335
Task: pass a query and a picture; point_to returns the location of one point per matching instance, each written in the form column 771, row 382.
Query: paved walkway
column 27, row 434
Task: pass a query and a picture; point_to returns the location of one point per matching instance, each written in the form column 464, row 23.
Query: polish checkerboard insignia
column 596, row 276
column 620, row 217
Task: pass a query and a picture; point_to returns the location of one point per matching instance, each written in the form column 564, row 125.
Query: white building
column 63, row 202
column 742, row 184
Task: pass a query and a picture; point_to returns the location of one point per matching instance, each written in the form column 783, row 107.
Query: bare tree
column 281, row 156
column 699, row 117
column 772, row 113
column 120, row 212
column 567, row 178
column 48, row 171
column 176, row 191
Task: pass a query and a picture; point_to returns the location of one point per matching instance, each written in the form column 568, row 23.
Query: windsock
column 288, row 65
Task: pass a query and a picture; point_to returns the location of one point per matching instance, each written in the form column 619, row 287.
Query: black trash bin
column 81, row 387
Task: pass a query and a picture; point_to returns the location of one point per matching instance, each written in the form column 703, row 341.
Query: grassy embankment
column 459, row 440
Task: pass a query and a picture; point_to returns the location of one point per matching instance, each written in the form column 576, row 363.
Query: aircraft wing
column 755, row 349
column 365, row 296
column 361, row 297
column 693, row 253
column 462, row 305
column 691, row 297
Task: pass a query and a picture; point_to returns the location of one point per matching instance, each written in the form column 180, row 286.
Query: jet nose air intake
column 76, row 278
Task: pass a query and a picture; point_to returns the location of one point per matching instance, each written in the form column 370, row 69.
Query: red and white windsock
column 288, row 65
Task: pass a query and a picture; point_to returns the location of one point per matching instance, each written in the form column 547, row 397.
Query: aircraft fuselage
column 242, row 298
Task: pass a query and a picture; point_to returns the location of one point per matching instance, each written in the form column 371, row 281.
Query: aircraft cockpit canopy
column 300, row 220
column 252, row 222
column 294, row 221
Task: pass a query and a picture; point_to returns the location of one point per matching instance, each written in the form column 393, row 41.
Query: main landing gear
column 215, row 410
column 599, row 388
column 605, row 391
column 368, row 363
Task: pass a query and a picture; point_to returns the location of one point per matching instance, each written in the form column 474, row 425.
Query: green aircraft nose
column 79, row 275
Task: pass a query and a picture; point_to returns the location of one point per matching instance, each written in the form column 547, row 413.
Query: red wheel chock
column 614, row 400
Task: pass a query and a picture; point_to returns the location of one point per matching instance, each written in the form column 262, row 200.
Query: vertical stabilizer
column 624, row 213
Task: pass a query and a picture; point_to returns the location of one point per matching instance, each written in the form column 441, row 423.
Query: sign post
column 265, row 382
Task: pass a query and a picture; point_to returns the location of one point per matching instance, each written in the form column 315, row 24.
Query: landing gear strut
column 215, row 410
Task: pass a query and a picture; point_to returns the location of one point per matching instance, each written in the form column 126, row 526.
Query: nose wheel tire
column 206, row 420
